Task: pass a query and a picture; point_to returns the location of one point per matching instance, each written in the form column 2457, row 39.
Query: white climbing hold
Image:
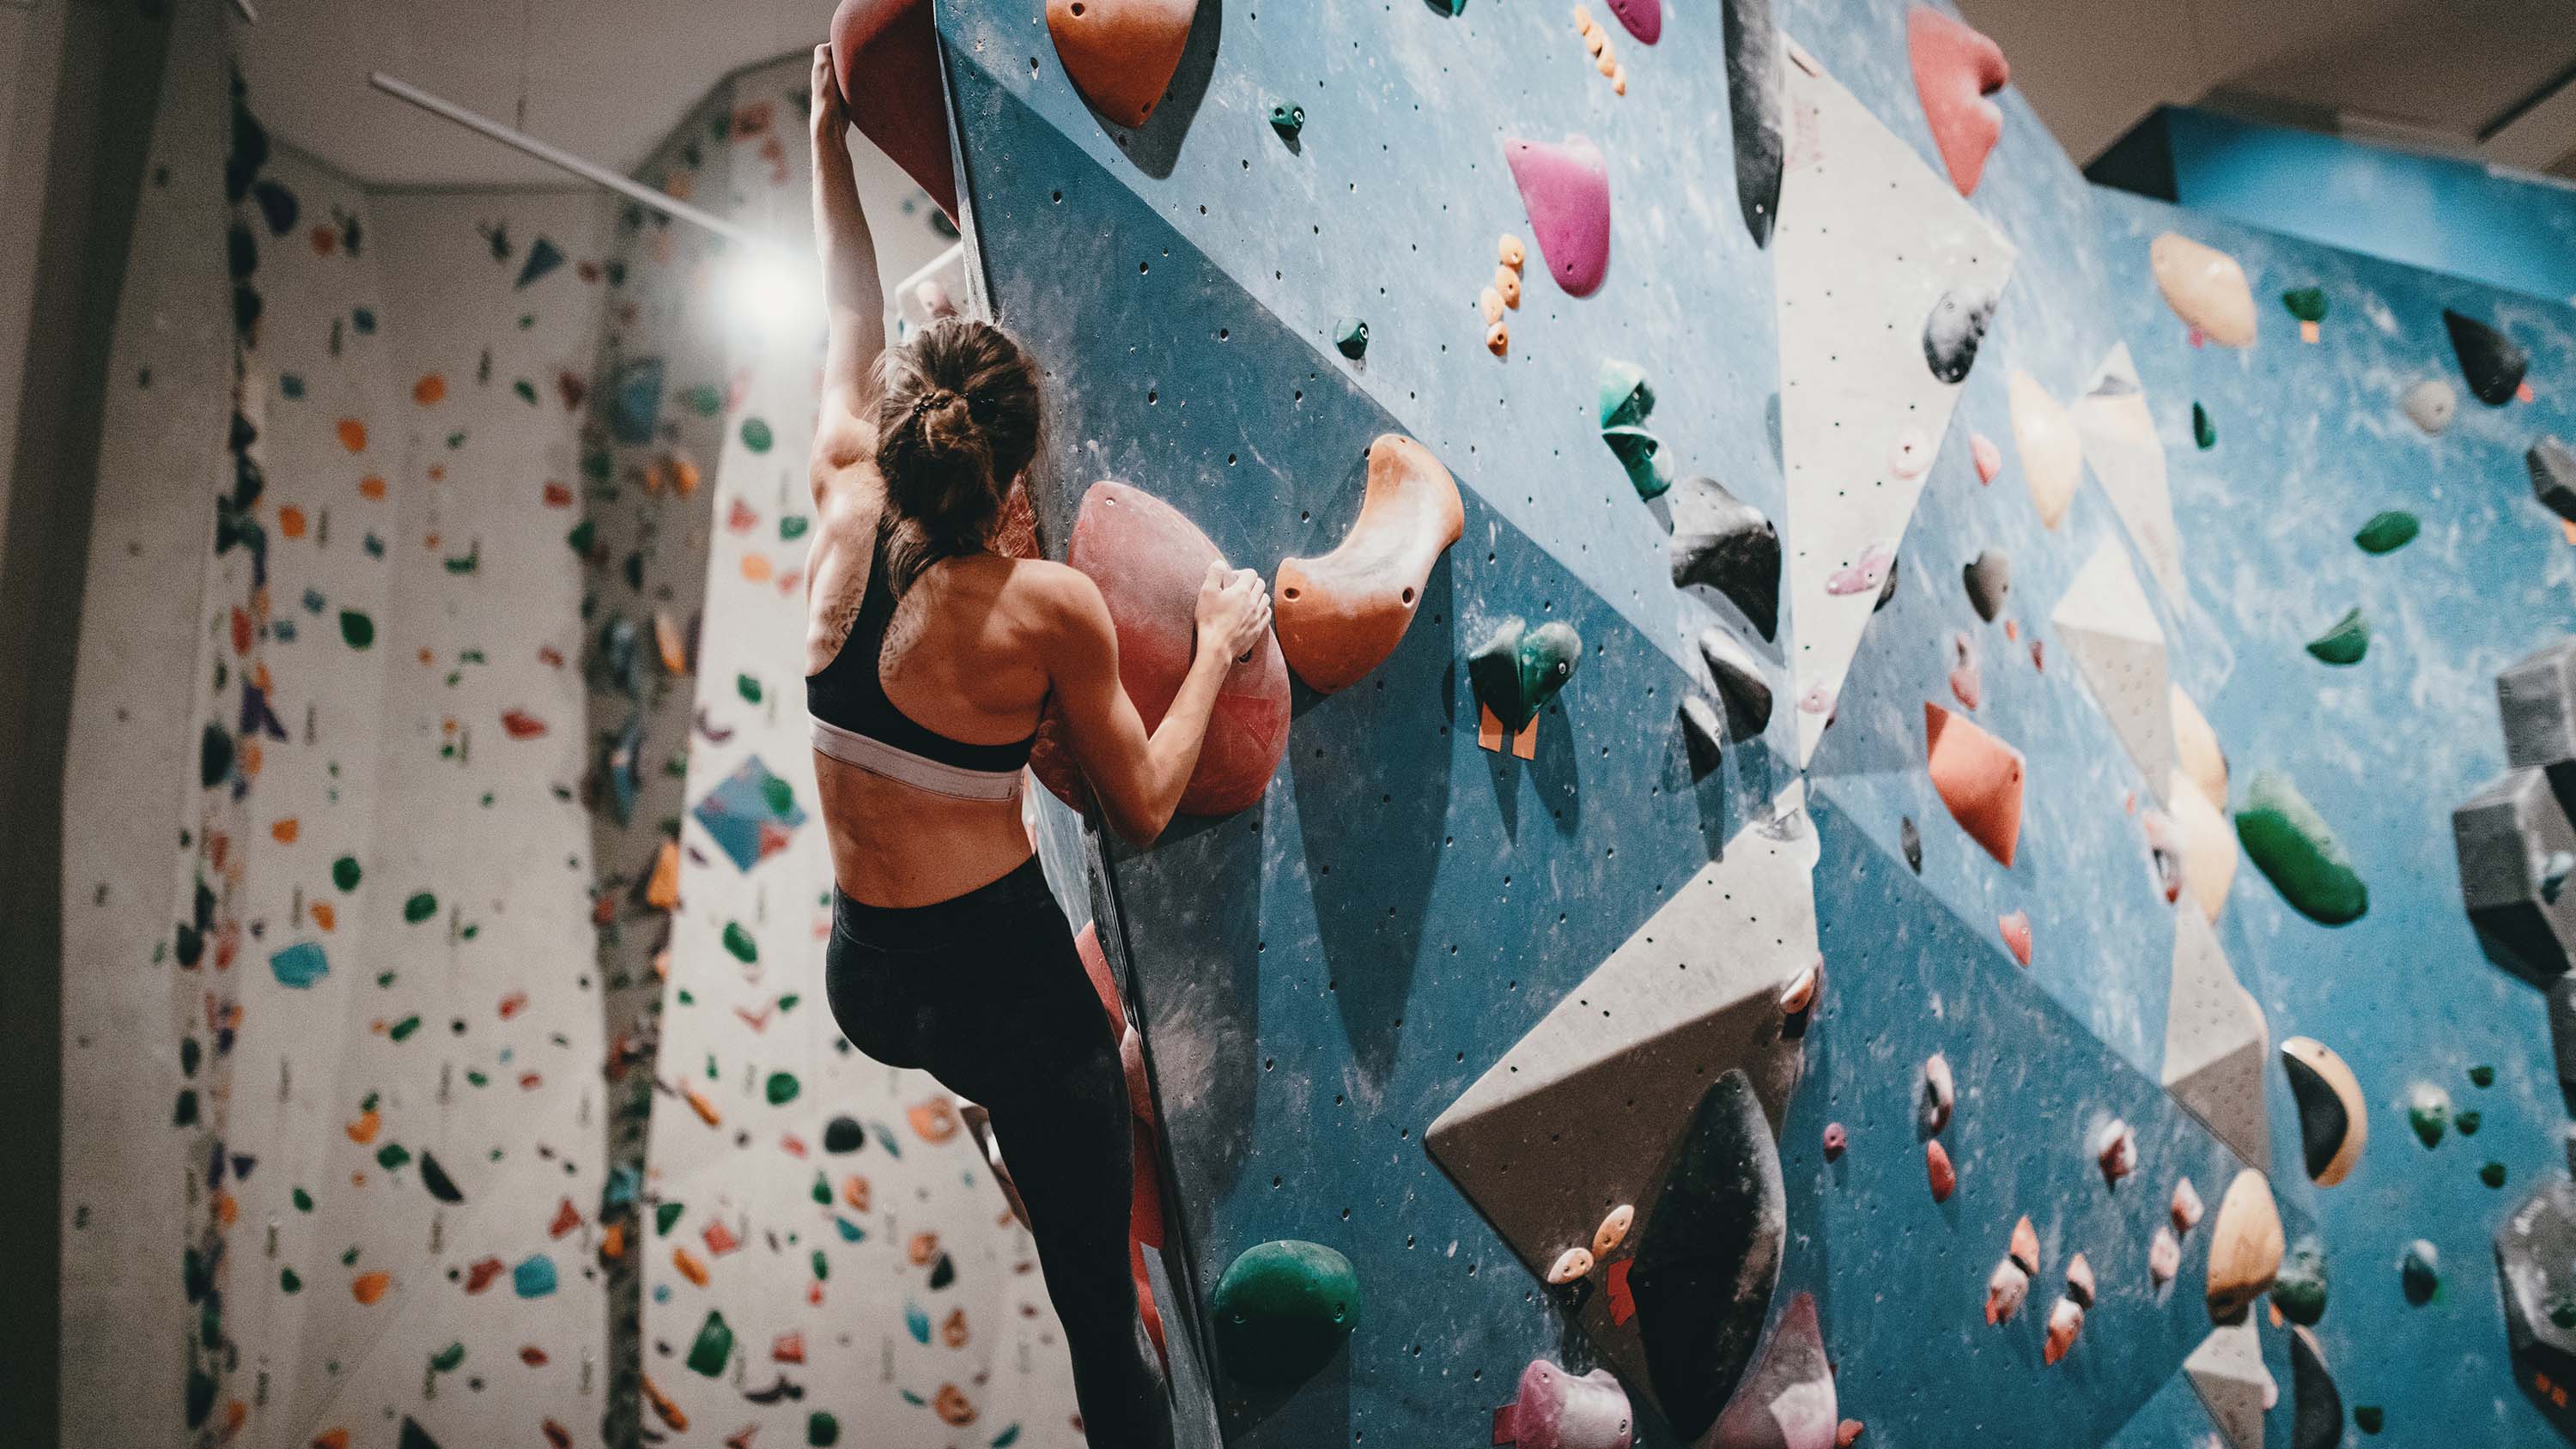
column 2205, row 287
column 2052, row 456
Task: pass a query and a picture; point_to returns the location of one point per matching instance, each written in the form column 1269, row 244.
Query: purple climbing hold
column 1566, row 188
column 1644, row 18
column 1557, row 1410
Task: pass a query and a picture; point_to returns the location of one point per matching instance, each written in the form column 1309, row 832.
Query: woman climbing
column 928, row 658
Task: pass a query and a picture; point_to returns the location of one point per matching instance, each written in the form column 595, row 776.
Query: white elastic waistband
column 879, row 758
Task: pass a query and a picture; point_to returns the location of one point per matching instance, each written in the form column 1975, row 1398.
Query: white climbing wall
column 1861, row 413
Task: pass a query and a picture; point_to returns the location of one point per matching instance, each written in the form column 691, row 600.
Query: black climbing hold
column 2535, row 1254
column 1726, row 544
column 435, row 1178
column 2323, row 1122
column 844, row 1134
column 1703, row 735
column 1350, row 336
column 2299, row 1289
column 1710, row 1256
column 2489, row 360
column 1739, row 683
column 2368, row 1418
column 2317, row 1420
column 1753, row 104
column 1911, row 840
column 414, row 1436
column 1988, row 577
column 2553, row 476
column 1887, row 590
column 276, row 206
column 1957, row 324
column 2308, row 304
column 2419, row 1272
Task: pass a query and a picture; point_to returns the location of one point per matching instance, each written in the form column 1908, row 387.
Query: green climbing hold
column 783, row 1088
column 356, row 629
column 792, row 525
column 756, row 435
column 526, row 390
column 714, row 1347
column 2308, row 304
column 448, row 1359
column 1518, row 670
column 1626, row 396
column 739, row 942
column 666, row 1215
column 821, row 1191
column 2299, row 1290
column 2369, row 1418
column 421, row 906
column 2298, row 853
column 1287, row 120
column 1641, row 453
column 2387, row 532
column 779, row 795
column 2428, row 1111
column 2203, row 431
column 303, row 1200
column 289, row 1281
column 2420, row 1272
column 345, row 872
column 2467, row 1122
column 2482, row 1075
column 215, row 753
column 2345, row 641
column 1283, row 1309
column 2492, row 1174
column 747, row 687
column 392, row 1156
column 822, row 1430
column 583, row 535
column 1350, row 337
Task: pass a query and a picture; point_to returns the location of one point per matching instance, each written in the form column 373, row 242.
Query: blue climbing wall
column 1321, row 976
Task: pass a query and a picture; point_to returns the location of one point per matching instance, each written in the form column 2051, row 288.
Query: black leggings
column 985, row 992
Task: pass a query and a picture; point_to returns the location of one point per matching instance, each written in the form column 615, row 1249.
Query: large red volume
column 900, row 101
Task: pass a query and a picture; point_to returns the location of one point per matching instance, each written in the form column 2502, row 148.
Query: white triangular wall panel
column 2216, row 1043
column 1870, row 241
column 2119, row 433
column 2105, row 621
column 2227, row 1372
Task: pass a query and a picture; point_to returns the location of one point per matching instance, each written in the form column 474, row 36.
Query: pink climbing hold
column 1990, row 459
column 1866, row 574
column 1967, row 681
column 1149, row 561
column 1644, row 18
column 2016, row 930
column 1836, row 1139
column 1955, row 69
column 1557, row 1410
column 1936, row 1167
column 1566, row 189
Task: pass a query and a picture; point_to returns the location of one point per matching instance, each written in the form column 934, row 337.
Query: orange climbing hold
column 1121, row 53
column 2016, row 932
column 371, row 1287
column 1955, row 69
column 1149, row 562
column 432, row 388
column 1936, row 1167
column 1341, row 615
column 353, row 435
column 1978, row 777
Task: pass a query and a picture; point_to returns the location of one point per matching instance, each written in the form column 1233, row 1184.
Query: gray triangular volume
column 2216, row 1043
column 1594, row 1107
column 2227, row 1372
column 2106, row 623
column 2119, row 434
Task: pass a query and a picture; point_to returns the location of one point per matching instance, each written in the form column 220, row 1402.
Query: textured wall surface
column 1324, row 974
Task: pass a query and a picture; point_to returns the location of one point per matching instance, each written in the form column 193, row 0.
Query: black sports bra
column 856, row 724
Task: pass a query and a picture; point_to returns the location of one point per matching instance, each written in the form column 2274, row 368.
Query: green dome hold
column 1283, row 1309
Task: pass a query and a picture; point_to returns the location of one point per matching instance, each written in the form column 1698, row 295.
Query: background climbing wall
column 1323, row 974
column 828, row 1255
column 387, row 1083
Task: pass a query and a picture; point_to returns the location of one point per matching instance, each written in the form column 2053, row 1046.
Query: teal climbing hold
column 2387, row 532
column 2308, row 304
column 1641, row 453
column 2428, row 1112
column 2203, row 431
column 756, row 435
column 2344, row 641
column 1626, row 399
column 1518, row 670
column 534, row 1277
column 1283, row 1309
column 1350, row 337
column 2298, row 853
column 1626, row 396
column 1288, row 120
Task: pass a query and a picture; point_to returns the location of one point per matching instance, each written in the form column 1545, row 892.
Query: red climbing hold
column 1936, row 1166
column 2016, row 929
column 1566, row 188
column 1340, row 615
column 1120, row 53
column 1955, row 69
column 1978, row 777
column 1644, row 18
column 1836, row 1139
column 1149, row 562
column 900, row 101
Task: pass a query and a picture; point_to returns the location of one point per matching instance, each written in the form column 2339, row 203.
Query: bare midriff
column 896, row 845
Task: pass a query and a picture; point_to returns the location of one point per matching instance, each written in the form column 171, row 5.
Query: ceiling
column 607, row 79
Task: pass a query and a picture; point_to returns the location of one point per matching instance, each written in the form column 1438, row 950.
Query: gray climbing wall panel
column 1324, row 975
